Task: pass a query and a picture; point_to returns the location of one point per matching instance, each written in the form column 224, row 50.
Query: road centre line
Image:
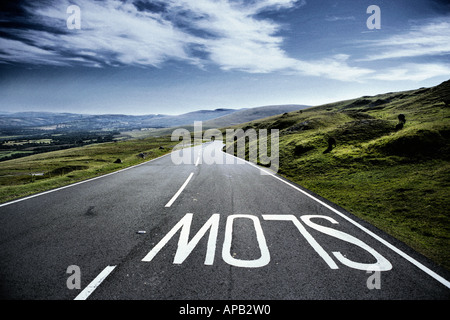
column 198, row 159
column 386, row 243
column 95, row 283
column 169, row 204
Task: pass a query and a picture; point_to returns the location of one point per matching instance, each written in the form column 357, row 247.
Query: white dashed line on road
column 95, row 283
column 169, row 204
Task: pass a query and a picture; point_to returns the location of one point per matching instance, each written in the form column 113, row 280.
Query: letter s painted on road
column 382, row 264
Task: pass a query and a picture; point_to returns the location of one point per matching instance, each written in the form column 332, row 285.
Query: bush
column 331, row 144
column 423, row 143
column 301, row 149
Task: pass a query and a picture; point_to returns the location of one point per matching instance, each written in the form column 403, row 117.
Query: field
column 20, row 142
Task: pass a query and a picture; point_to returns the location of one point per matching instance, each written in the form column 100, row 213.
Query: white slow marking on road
column 169, row 204
column 226, row 249
column 386, row 243
column 94, row 284
column 185, row 246
column 313, row 243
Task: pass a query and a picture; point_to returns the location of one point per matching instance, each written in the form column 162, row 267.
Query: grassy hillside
column 396, row 179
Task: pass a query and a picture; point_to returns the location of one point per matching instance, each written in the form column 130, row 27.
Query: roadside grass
column 41, row 172
column 408, row 201
column 398, row 180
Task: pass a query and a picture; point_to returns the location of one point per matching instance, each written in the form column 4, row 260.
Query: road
column 201, row 231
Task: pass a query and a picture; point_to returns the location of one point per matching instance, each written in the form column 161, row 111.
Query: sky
column 177, row 56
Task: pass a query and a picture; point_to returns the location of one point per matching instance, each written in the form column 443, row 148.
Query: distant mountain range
column 86, row 122
column 246, row 115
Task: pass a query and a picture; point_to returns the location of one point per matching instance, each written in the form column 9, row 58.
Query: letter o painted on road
column 226, row 255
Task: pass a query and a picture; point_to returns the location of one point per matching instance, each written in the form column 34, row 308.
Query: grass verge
column 37, row 173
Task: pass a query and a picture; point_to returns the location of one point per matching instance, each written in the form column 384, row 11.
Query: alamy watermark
column 74, row 19
column 374, row 21
column 374, row 280
column 74, row 280
column 252, row 145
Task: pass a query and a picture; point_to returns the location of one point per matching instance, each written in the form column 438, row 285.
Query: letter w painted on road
column 185, row 247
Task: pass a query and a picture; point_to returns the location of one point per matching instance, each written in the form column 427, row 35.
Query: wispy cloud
column 276, row 4
column 113, row 33
column 424, row 40
column 335, row 67
column 240, row 41
column 18, row 51
column 413, row 72
column 230, row 34
column 237, row 39
column 410, row 48
column 339, row 18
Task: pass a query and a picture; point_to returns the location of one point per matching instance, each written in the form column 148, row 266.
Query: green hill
column 398, row 179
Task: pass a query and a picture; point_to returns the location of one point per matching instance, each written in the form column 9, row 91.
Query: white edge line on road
column 386, row 243
column 77, row 183
column 179, row 191
column 95, row 283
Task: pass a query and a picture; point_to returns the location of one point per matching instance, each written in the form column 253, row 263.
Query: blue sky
column 176, row 56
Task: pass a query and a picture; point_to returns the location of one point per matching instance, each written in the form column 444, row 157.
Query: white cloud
column 337, row 18
column 17, row 51
column 238, row 41
column 230, row 33
column 277, row 4
column 421, row 41
column 413, row 72
column 242, row 42
column 335, row 67
column 112, row 32
column 426, row 40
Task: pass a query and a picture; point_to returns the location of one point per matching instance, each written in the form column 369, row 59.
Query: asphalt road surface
column 201, row 230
